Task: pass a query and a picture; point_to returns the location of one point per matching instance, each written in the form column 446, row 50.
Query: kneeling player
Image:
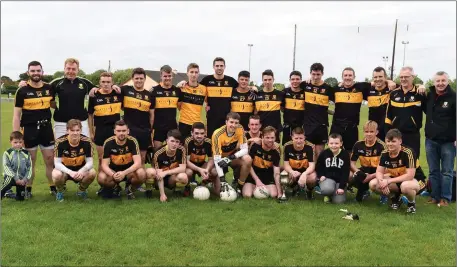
column 265, row 165
column 230, row 148
column 405, row 176
column 333, row 168
column 198, row 148
column 121, row 163
column 299, row 162
column 73, row 160
column 368, row 151
column 170, row 166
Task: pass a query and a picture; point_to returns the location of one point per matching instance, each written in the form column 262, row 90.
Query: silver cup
column 284, row 181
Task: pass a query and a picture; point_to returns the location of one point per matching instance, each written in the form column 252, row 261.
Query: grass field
column 189, row 232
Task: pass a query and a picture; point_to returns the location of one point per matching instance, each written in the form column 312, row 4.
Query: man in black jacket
column 440, row 127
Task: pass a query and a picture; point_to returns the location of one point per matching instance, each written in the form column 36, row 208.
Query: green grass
column 189, row 232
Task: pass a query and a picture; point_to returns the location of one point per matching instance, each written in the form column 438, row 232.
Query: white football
column 201, row 193
column 229, row 195
column 261, row 193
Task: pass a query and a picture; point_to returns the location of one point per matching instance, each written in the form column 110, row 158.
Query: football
column 201, row 193
column 229, row 195
column 261, row 193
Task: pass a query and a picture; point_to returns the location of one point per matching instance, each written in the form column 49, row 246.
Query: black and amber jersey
column 165, row 162
column 369, row 155
column 348, row 102
column 377, row 104
column 404, row 110
column 165, row 103
column 299, row 159
column 35, row 103
column 248, row 135
column 268, row 107
column 243, row 104
column 136, row 106
column 263, row 160
column 197, row 153
column 219, row 95
column 294, row 106
column 225, row 145
column 121, row 156
column 192, row 99
column 397, row 165
column 105, row 107
column 73, row 157
column 317, row 98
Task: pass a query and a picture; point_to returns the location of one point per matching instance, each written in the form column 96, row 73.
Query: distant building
column 153, row 78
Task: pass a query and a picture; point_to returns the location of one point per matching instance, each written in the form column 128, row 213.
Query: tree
column 81, row 73
column 6, row 80
column 332, row 81
column 122, row 76
column 23, row 76
column 452, row 84
column 367, row 80
column 279, row 86
column 58, row 74
column 428, row 84
column 95, row 76
column 47, row 78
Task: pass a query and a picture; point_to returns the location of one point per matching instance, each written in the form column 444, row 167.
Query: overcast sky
column 151, row 34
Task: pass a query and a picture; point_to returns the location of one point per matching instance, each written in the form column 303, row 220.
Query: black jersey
column 334, row 167
column 73, row 157
column 197, row 153
column 136, row 107
column 243, row 104
column 165, row 103
column 268, row 106
column 219, row 95
column 35, row 103
column 294, row 106
column 121, row 156
column 105, row 107
column 263, row 161
column 377, row 104
column 348, row 102
column 369, row 155
column 299, row 159
column 397, row 165
column 317, row 99
column 165, row 162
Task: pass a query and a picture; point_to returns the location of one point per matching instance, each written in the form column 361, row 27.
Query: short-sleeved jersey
column 317, row 98
column 105, row 107
column 73, row 157
column 192, row 99
column 377, row 104
column 121, row 156
column 263, row 160
column 197, row 153
column 299, row 159
column 219, row 95
column 268, row 106
column 165, row 162
column 136, row 107
column 397, row 166
column 348, row 102
column 225, row 145
column 294, row 106
column 35, row 103
column 369, row 155
column 165, row 103
column 243, row 104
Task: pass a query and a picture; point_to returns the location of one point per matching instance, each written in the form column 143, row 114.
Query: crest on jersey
column 115, row 98
column 274, row 97
column 147, row 98
column 267, row 97
column 445, row 105
column 121, row 151
column 126, row 149
column 38, row 93
column 241, row 98
column 73, row 154
column 167, row 94
column 226, row 83
column 374, row 152
column 218, row 83
column 46, row 92
column 81, row 86
column 315, row 90
column 399, row 162
column 138, row 96
column 353, row 90
column 269, row 156
column 107, row 100
column 81, row 150
column 411, row 98
column 173, row 93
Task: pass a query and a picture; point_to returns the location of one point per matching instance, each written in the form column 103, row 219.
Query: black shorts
column 316, row 134
column 34, row 136
column 350, row 134
column 381, row 132
column 412, row 140
column 213, row 124
column 102, row 133
column 160, row 135
column 266, row 178
column 143, row 136
column 422, row 187
column 166, row 180
column 185, row 130
column 287, row 132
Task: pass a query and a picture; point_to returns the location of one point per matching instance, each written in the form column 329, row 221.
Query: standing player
column 192, row 97
column 368, row 151
column 104, row 110
column 299, row 162
column 164, row 103
column 121, row 163
column 220, row 88
column 230, row 148
column 243, row 99
column 378, row 98
column 268, row 103
column 32, row 113
column 138, row 111
column 265, row 165
column 400, row 163
column 293, row 106
column 73, row 160
column 170, row 166
column 198, row 149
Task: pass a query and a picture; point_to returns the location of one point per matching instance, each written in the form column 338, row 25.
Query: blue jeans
column 441, row 179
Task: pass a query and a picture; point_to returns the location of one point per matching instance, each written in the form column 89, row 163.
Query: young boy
column 333, row 169
column 17, row 166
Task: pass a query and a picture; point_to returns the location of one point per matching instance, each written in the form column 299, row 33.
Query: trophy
column 284, row 182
